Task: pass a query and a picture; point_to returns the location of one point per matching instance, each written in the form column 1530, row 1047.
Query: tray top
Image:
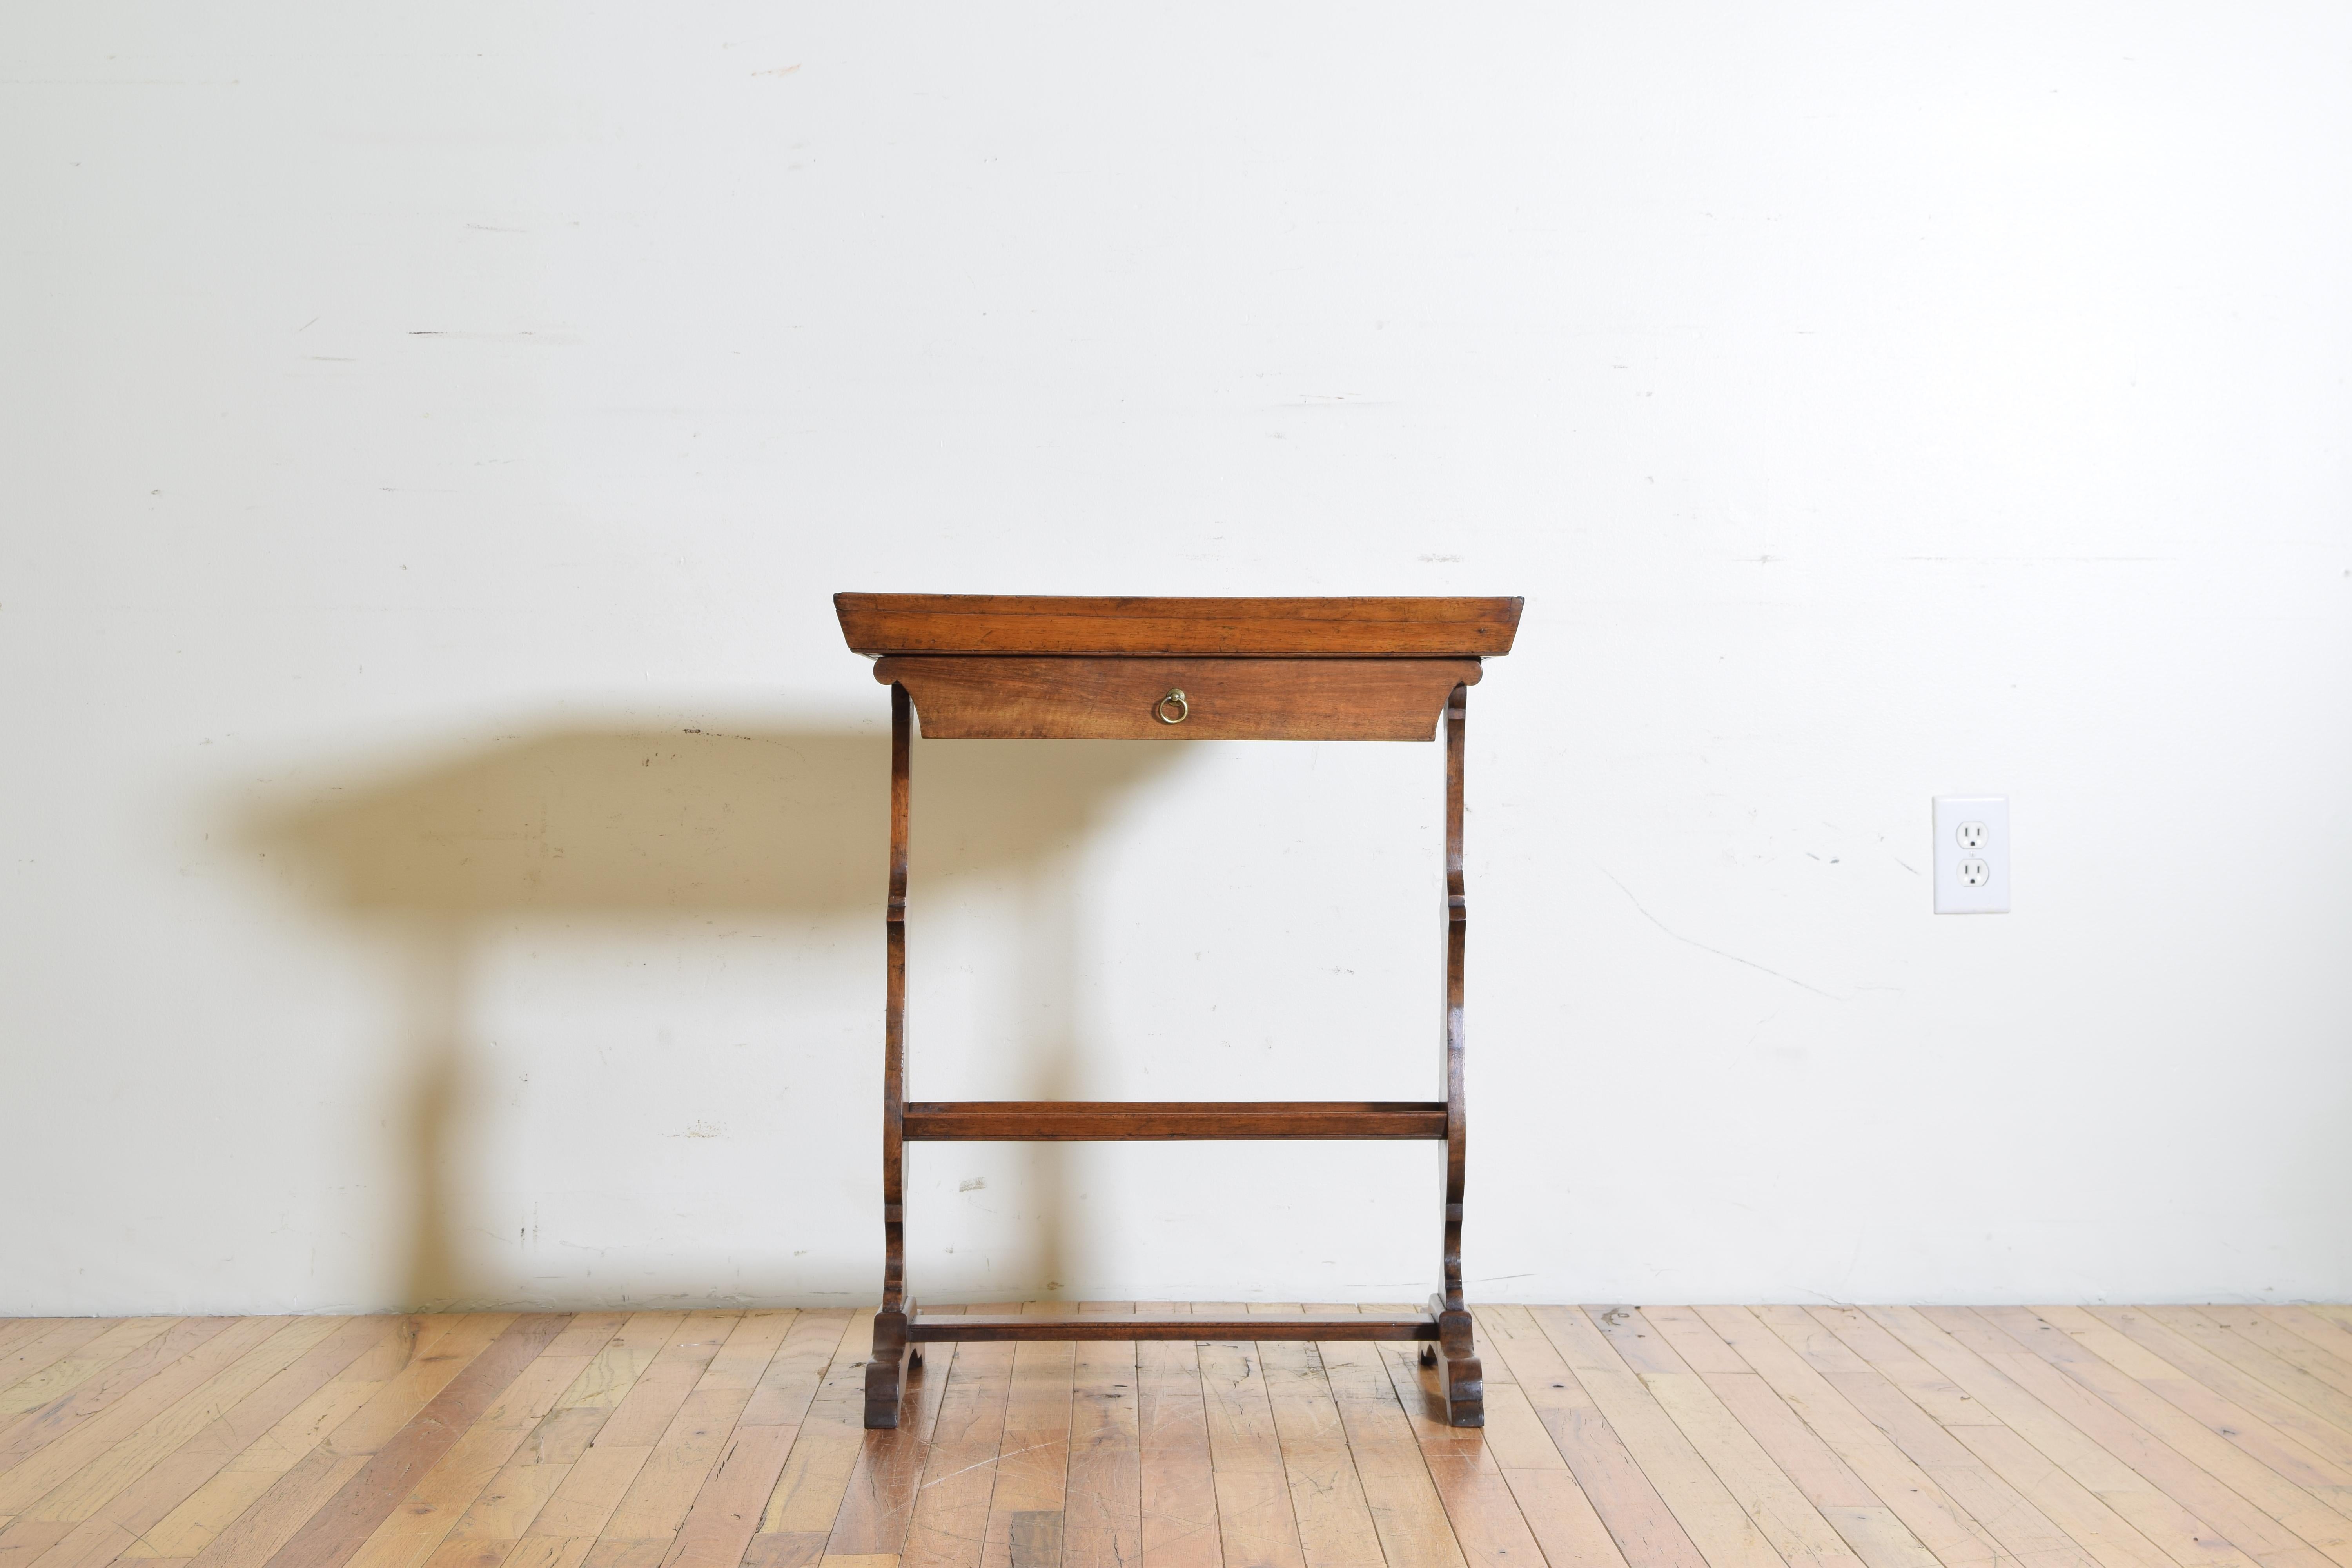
column 1231, row 629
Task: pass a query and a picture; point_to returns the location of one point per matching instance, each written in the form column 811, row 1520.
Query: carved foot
column 1466, row 1385
column 1465, row 1391
column 886, row 1374
column 885, row 1382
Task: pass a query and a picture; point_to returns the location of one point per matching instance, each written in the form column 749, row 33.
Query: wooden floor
column 1684, row 1438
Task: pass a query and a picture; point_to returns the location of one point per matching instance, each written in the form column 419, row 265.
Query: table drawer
column 976, row 697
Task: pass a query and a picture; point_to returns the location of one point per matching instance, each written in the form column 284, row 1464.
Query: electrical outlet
column 1971, row 854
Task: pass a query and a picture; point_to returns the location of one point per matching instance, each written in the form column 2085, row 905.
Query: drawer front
column 986, row 698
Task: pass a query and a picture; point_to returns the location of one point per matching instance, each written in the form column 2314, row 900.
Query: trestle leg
column 886, row 1374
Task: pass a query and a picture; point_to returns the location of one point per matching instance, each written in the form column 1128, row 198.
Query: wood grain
column 150, row 1390
column 949, row 1521
column 2175, row 1531
column 808, row 1493
column 1912, row 1493
column 121, row 1522
column 1254, row 628
column 46, row 1367
column 2214, row 1505
column 509, row 1503
column 1025, row 1507
column 1102, row 1524
column 260, row 1461
column 17, row 1332
column 1638, row 1521
column 87, row 1398
column 1399, row 1488
column 85, row 1491
column 2268, row 1329
column 1707, row 1511
column 1787, row 1520
column 2305, row 1518
column 2016, row 1523
column 1256, row 1520
column 1871, row 1530
column 331, row 1536
column 1327, row 1495
column 721, row 1526
column 1177, row 1479
column 413, row 1531
column 688, row 1449
column 2086, row 1517
column 879, row 1502
column 412, row 1370
column 1489, row 1527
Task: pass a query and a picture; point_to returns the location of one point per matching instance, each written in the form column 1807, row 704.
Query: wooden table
column 991, row 667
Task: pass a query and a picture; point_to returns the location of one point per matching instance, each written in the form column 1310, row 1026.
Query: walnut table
column 987, row 666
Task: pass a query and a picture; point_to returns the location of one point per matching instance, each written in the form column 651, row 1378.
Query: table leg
column 886, row 1374
column 1464, row 1389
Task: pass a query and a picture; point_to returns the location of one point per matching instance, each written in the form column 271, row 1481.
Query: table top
column 1391, row 627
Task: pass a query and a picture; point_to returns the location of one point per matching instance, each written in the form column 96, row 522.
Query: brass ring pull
column 1173, row 700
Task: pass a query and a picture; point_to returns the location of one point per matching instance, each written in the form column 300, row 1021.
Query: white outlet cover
column 1971, row 827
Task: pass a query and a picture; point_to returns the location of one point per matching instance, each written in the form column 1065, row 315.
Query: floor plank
column 808, row 1491
column 1643, row 1527
column 15, row 1331
column 1654, row 1436
column 87, row 1398
column 509, row 1503
column 1786, row 1518
column 1407, row 1509
column 682, row 1456
column 2305, row 1517
column 2182, row 1537
column 1560, row 1515
column 414, row 1530
column 2322, row 1334
column 2109, row 1538
column 719, row 1528
column 1941, row 1523
column 2004, row 1512
column 1102, row 1510
column 1176, row 1474
column 878, row 1504
column 1256, row 1525
column 199, row 1440
column 155, row 1390
column 2300, row 1408
column 90, row 1486
column 1710, row 1514
column 331, row 1536
column 46, row 1366
column 1327, row 1495
column 1026, row 1509
column 1488, row 1525
column 2273, row 1330
column 2237, row 1520
column 260, row 1460
column 566, row 1529
column 1876, row 1534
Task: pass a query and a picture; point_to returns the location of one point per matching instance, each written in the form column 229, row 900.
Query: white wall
column 444, row 829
